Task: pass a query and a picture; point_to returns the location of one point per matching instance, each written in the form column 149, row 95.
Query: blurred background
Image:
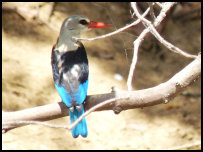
column 29, row 30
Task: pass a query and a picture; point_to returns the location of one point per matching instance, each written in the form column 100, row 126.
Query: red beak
column 95, row 25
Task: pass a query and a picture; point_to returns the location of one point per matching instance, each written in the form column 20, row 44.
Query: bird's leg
column 79, row 107
column 71, row 109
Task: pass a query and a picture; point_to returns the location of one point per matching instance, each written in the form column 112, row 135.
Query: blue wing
column 66, row 98
column 78, row 97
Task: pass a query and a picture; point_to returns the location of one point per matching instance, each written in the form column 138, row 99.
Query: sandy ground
column 27, row 81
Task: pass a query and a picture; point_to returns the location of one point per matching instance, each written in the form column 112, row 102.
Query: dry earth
column 27, row 80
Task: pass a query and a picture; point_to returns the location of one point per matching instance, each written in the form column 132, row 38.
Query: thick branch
column 127, row 99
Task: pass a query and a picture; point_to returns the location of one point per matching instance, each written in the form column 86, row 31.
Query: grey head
column 73, row 26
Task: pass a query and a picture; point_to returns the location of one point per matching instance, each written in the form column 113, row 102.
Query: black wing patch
column 63, row 65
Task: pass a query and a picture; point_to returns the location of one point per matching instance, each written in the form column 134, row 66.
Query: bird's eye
column 83, row 22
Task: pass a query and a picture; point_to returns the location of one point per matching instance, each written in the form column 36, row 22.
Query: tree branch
column 166, row 7
column 115, row 32
column 158, row 36
column 117, row 100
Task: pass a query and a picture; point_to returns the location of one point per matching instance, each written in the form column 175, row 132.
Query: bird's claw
column 71, row 108
column 79, row 107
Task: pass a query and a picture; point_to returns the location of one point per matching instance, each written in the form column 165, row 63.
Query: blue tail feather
column 83, row 130
column 81, row 127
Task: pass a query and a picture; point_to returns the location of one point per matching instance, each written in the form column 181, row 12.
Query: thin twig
column 115, row 32
column 70, row 127
column 27, row 122
column 159, row 4
column 159, row 37
column 91, row 110
column 138, row 41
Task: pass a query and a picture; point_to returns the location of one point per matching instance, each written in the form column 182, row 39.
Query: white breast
column 75, row 70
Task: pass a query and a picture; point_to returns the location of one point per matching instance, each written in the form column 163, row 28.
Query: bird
column 70, row 68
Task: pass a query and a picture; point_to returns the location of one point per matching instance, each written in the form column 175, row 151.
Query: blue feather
column 82, row 93
column 66, row 98
column 81, row 127
column 79, row 97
